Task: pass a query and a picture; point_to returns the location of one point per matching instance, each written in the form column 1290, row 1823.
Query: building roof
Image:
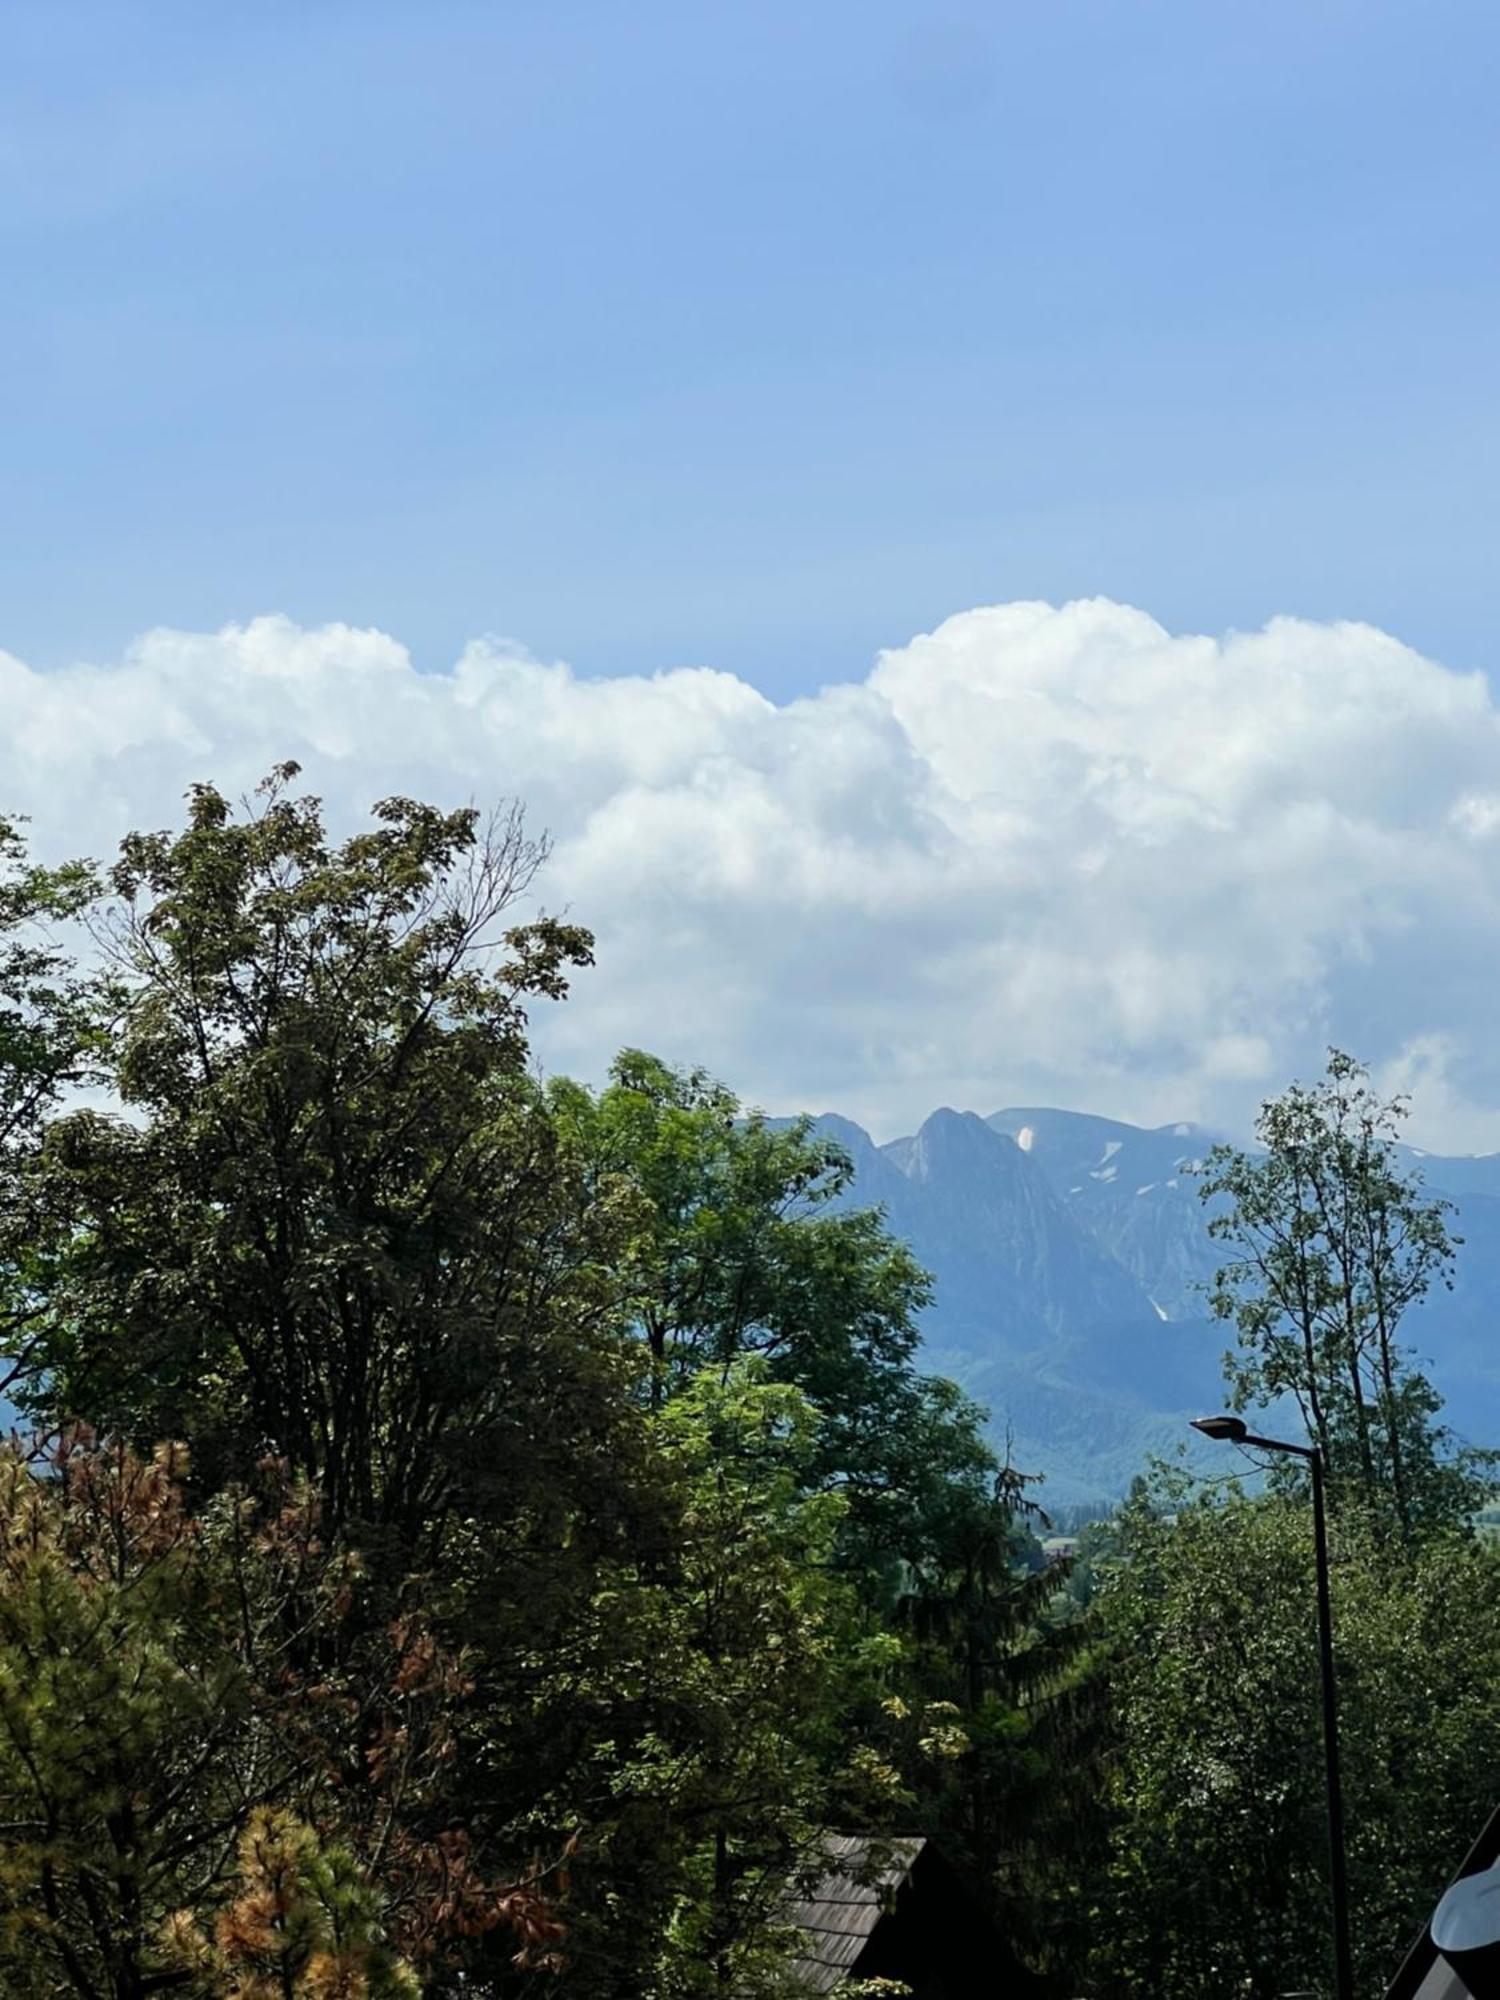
column 846, row 1903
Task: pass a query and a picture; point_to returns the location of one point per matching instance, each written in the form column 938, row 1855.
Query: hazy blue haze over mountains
column 1070, row 1254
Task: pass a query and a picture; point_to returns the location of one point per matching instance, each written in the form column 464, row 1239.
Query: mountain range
column 1071, row 1255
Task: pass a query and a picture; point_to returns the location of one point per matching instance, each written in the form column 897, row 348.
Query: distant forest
column 475, row 1533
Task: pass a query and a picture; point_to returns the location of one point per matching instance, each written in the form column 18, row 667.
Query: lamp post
column 1233, row 1430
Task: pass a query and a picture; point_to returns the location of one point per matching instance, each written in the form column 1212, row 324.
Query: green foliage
column 1333, row 1242
column 745, row 1245
column 687, row 1713
column 52, row 1037
column 166, row 1680
column 1218, row 1835
column 336, row 1224
column 969, row 1695
column 752, row 1632
column 995, row 1717
column 657, row 1554
column 1218, row 1875
column 49, row 1013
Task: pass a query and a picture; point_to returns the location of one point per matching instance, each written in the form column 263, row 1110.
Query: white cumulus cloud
column 1041, row 854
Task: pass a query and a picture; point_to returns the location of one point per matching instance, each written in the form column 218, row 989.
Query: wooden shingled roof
column 846, row 1903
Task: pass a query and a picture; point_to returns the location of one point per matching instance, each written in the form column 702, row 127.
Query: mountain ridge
column 1071, row 1256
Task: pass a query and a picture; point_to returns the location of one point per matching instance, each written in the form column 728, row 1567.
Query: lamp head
column 1224, row 1430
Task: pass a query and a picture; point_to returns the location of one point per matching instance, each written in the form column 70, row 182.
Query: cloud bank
column 1041, row 854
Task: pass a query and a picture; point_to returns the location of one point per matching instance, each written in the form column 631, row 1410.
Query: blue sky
column 765, row 339
column 751, row 335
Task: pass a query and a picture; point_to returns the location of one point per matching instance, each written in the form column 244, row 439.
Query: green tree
column 973, row 1696
column 1332, row 1242
column 1218, row 1876
column 994, row 1716
column 669, row 1556
column 168, row 1679
column 49, row 1019
column 52, row 1023
column 757, row 1626
column 746, row 1243
column 695, row 1706
column 334, row 1221
column 136, row 1649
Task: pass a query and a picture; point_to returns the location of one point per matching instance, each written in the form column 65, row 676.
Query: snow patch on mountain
column 1077, row 1311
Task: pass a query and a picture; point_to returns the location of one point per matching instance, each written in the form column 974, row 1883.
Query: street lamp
column 1233, row 1430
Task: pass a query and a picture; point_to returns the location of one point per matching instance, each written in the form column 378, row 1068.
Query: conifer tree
column 300, row 1922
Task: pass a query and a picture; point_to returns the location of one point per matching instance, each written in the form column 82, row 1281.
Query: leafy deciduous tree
column 1219, row 1828
column 1333, row 1242
column 335, row 1215
column 52, row 1019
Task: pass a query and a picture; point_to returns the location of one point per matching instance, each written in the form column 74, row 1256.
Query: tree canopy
column 565, row 1536
column 481, row 1533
